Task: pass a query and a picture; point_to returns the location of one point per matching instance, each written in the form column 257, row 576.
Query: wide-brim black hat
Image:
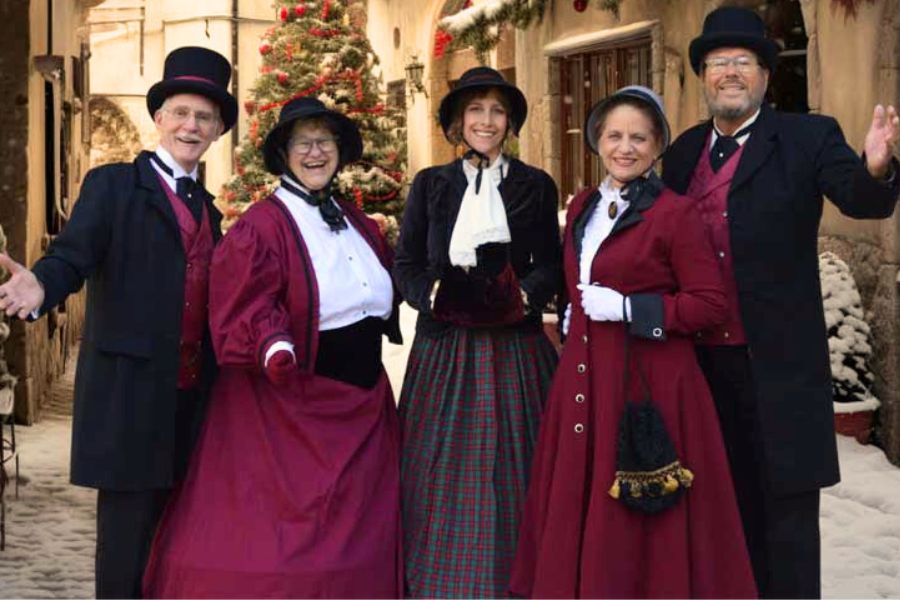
column 732, row 26
column 193, row 70
column 637, row 92
column 350, row 144
column 483, row 78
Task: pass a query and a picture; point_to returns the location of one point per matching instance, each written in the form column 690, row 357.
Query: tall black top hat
column 193, row 70
column 484, row 78
column 733, row 26
column 349, row 140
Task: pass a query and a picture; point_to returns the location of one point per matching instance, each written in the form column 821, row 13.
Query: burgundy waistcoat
column 197, row 240
column 710, row 189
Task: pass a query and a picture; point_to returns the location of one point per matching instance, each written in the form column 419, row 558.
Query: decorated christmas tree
column 320, row 49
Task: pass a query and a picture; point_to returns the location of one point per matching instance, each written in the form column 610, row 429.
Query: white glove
column 567, row 317
column 603, row 303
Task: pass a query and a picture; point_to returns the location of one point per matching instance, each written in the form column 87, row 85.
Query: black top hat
column 484, row 78
column 737, row 27
column 349, row 140
column 193, row 70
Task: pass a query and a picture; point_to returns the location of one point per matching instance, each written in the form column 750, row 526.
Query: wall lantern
column 414, row 71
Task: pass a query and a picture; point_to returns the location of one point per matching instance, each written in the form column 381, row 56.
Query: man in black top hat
column 759, row 177
column 141, row 235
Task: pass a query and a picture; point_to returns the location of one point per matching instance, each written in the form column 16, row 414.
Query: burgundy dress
column 576, row 541
column 293, row 491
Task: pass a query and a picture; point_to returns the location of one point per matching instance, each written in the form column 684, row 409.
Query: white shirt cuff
column 628, row 310
column 277, row 346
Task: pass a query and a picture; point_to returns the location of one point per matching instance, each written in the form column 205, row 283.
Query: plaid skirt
column 470, row 408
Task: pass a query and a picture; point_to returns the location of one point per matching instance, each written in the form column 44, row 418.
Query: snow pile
column 848, row 337
column 860, row 524
column 469, row 17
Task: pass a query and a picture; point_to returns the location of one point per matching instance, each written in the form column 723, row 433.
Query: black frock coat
column 774, row 207
column 123, row 239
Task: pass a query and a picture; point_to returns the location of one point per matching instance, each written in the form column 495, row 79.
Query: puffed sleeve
column 246, row 285
column 699, row 301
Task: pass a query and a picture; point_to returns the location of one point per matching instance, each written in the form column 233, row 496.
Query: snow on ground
column 50, row 527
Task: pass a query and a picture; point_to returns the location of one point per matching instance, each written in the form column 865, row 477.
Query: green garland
column 484, row 32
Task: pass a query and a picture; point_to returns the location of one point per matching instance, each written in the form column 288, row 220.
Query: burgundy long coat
column 293, row 491
column 576, row 541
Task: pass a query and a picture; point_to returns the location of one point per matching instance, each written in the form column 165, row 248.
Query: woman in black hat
column 294, row 489
column 640, row 507
column 479, row 258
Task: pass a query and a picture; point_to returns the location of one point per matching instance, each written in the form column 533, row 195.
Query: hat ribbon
column 195, row 78
column 330, row 212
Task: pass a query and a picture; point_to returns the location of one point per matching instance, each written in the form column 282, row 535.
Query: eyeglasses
column 305, row 146
column 204, row 119
column 742, row 64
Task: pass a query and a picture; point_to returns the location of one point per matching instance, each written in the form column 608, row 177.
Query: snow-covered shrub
column 848, row 337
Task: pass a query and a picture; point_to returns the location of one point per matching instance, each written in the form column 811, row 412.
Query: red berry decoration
column 283, row 14
column 282, row 78
column 265, row 48
column 580, row 5
column 300, row 10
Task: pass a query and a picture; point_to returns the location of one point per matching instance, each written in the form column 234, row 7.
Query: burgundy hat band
column 194, row 78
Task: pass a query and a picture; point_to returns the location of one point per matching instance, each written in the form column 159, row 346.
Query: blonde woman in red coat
column 633, row 247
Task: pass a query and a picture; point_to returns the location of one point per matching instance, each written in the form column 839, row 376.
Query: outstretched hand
column 22, row 293
column 879, row 145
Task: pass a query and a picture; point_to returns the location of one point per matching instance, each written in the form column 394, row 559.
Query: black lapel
column 514, row 186
column 640, row 193
column 759, row 147
column 148, row 179
column 453, row 174
column 683, row 156
column 581, row 219
column 215, row 217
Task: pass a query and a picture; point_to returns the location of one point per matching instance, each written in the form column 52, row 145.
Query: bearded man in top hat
column 142, row 236
column 759, row 176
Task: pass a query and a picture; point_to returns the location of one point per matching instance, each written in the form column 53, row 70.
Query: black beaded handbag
column 649, row 477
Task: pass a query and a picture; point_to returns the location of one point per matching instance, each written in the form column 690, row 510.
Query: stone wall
column 36, row 352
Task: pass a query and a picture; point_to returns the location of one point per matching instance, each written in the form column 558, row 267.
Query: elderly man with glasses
column 141, row 235
column 759, row 177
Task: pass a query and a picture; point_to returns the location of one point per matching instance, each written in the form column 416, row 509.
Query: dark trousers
column 127, row 520
column 782, row 532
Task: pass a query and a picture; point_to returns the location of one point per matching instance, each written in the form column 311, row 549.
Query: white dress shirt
column 741, row 140
column 177, row 170
column 598, row 228
column 353, row 285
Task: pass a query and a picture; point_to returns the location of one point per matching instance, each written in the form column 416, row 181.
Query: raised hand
column 22, row 293
column 879, row 145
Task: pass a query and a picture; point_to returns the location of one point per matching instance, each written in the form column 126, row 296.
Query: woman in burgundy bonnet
column 602, row 521
column 293, row 491
column 479, row 258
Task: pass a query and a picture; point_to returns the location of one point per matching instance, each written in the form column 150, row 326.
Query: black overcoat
column 123, row 239
column 774, row 208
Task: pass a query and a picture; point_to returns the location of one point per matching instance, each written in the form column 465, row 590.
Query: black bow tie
column 186, row 188
column 724, row 147
column 330, row 212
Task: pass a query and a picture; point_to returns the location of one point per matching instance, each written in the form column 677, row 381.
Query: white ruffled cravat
column 482, row 216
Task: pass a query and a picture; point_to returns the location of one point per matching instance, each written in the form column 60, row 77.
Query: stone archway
column 114, row 137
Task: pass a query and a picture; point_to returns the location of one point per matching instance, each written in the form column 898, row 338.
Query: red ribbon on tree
column 326, row 8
